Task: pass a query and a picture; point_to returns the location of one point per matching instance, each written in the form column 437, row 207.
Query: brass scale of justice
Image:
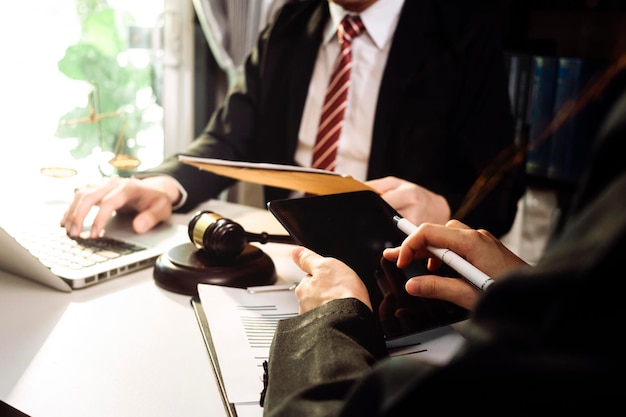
column 119, row 161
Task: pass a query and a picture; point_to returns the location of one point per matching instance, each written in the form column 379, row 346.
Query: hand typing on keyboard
column 52, row 246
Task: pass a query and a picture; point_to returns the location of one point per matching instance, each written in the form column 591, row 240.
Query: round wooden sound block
column 183, row 267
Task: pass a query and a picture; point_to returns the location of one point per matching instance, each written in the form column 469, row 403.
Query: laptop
column 37, row 248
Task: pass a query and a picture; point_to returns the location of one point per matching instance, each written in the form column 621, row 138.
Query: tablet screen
column 355, row 227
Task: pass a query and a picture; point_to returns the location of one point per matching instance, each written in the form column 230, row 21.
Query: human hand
column 413, row 202
column 326, row 279
column 151, row 197
column 479, row 247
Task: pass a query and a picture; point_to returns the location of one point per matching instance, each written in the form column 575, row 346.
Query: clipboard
column 291, row 177
column 237, row 355
column 224, row 303
column 208, row 341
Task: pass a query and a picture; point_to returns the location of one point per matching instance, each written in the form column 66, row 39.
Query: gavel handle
column 265, row 237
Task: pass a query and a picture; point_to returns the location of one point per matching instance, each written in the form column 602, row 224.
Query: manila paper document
column 291, row 177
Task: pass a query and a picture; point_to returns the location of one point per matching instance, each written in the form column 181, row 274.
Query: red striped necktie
column 335, row 101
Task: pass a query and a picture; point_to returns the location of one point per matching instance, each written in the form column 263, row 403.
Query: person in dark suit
column 544, row 337
column 429, row 115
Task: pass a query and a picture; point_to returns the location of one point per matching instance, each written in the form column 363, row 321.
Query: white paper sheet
column 242, row 324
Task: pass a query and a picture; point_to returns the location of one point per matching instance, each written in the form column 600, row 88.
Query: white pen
column 474, row 275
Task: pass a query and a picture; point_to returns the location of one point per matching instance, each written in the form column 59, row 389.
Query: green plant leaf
column 95, row 59
column 107, row 31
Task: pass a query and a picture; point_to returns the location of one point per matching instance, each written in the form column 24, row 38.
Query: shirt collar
column 380, row 20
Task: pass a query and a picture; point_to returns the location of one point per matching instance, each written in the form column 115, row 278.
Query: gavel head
column 216, row 235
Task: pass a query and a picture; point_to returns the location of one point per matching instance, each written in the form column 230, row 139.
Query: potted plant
column 121, row 91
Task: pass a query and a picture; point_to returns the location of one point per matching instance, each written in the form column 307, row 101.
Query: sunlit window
column 79, row 91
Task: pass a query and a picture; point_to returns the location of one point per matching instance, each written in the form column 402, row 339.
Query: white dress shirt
column 369, row 57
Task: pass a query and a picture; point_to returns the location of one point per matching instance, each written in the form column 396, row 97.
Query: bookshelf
column 568, row 43
column 588, row 31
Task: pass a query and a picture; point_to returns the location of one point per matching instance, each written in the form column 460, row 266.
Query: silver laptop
column 40, row 250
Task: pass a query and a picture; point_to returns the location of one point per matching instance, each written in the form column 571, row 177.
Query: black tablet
column 355, row 227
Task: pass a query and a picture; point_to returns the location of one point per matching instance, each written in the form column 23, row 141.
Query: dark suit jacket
column 442, row 114
column 544, row 337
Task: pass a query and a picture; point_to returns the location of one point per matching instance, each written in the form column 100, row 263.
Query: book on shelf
column 541, row 89
column 540, row 113
column 518, row 66
column 571, row 139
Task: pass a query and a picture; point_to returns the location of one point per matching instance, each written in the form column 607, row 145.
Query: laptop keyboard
column 53, row 247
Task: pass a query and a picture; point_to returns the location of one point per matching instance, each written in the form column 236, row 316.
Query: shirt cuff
column 183, row 193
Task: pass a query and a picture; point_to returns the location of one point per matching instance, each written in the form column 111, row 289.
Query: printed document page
column 242, row 323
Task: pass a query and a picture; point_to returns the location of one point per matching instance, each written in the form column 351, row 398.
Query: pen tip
column 396, row 218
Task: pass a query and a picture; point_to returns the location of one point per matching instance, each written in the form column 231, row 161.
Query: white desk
column 121, row 348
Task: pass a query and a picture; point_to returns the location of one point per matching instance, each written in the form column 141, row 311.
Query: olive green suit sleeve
column 316, row 357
